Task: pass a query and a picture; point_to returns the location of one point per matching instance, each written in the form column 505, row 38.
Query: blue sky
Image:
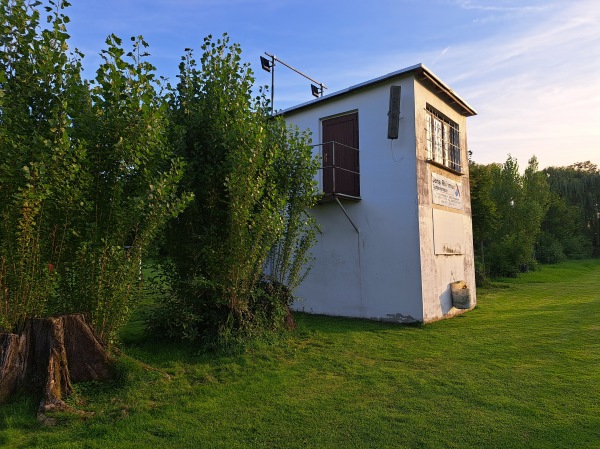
column 531, row 68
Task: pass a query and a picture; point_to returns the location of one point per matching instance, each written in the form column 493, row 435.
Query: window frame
column 442, row 140
column 333, row 170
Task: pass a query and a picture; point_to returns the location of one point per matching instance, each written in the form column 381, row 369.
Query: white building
column 396, row 214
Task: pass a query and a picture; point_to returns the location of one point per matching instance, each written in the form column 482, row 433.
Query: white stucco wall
column 388, row 270
column 438, row 271
column 375, row 273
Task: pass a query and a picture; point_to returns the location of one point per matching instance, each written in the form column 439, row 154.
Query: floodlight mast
column 269, row 66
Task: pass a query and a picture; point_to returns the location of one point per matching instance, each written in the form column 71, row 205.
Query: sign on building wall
column 446, row 191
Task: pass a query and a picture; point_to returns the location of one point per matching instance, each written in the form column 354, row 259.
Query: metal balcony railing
column 340, row 174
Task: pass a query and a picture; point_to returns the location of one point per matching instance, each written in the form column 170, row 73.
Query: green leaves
column 251, row 178
column 34, row 80
column 576, row 223
column 79, row 164
column 507, row 209
column 92, row 171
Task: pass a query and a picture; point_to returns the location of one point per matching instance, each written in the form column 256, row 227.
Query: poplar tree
column 253, row 181
column 508, row 209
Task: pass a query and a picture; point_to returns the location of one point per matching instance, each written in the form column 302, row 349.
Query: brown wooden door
column 340, row 155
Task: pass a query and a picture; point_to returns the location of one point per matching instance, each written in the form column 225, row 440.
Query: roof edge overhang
column 420, row 72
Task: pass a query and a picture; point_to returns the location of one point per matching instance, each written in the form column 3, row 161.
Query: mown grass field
column 520, row 371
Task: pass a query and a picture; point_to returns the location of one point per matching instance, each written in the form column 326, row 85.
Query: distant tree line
column 538, row 217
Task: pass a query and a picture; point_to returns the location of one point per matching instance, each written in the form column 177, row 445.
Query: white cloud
column 495, row 6
column 537, row 91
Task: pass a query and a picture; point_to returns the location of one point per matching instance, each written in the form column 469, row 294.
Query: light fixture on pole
column 269, row 66
column 317, row 91
column 265, row 64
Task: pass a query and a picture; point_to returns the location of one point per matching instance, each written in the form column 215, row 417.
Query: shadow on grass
column 333, row 325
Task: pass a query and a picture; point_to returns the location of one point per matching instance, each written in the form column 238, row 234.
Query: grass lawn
column 522, row 370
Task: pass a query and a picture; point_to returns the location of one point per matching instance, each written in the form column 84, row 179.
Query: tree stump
column 12, row 364
column 48, row 355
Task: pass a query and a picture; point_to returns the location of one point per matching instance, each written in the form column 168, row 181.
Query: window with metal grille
column 443, row 140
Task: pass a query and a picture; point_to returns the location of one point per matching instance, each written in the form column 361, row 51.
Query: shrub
column 253, row 179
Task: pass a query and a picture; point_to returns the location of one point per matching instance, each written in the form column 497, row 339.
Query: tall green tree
column 253, row 179
column 485, row 215
column 40, row 168
column 579, row 186
column 508, row 210
column 87, row 177
column 564, row 235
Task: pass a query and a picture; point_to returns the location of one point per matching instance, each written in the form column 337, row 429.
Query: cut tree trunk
column 12, row 364
column 47, row 356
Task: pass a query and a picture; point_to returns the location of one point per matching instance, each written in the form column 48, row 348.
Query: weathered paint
column 439, row 271
column 382, row 264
